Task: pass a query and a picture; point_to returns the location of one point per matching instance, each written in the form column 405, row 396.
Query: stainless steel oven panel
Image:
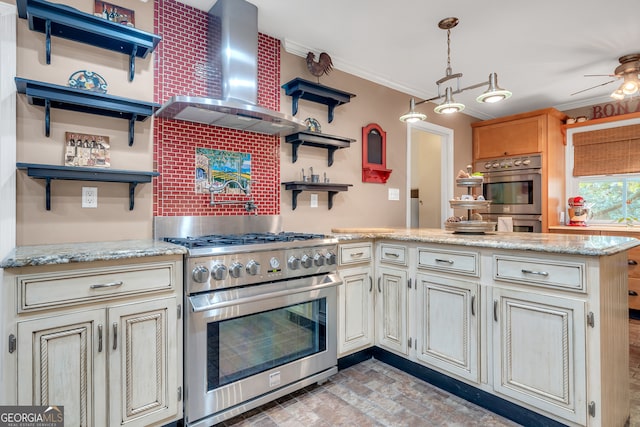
column 203, row 404
column 533, row 175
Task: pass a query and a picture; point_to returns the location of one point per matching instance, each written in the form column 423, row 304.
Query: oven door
column 517, row 192
column 242, row 344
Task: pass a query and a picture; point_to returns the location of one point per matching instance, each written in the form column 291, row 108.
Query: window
column 612, row 198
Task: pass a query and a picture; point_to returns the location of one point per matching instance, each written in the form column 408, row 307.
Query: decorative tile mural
column 228, row 170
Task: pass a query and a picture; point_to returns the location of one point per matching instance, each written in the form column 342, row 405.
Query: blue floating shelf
column 49, row 172
column 319, row 140
column 84, row 101
column 70, row 23
column 304, row 89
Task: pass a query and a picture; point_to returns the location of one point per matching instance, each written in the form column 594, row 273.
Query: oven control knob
column 200, row 274
column 274, row 263
column 235, row 270
column 525, row 162
column 330, row 257
column 495, row 165
column 293, row 262
column 517, row 162
column 253, row 268
column 487, row 165
column 219, row 272
column 307, row 261
column 318, row 259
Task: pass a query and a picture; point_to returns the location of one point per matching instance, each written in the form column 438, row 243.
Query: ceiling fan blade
column 600, row 75
column 593, row 87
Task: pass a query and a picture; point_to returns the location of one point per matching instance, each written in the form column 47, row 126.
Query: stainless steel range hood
column 233, row 52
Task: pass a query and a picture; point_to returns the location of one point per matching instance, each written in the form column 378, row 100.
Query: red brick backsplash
column 180, row 68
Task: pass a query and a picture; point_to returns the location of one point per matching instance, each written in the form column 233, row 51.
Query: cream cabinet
column 355, row 298
column 110, row 352
column 447, row 325
column 539, row 351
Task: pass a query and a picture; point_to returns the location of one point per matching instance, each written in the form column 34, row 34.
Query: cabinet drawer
column 393, row 254
column 531, row 271
column 45, row 290
column 453, row 261
column 354, row 253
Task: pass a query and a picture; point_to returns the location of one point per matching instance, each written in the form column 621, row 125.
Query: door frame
column 446, row 166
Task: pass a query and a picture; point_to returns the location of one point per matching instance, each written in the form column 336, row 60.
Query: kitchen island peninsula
column 532, row 326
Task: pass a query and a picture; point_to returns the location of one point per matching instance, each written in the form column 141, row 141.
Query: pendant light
column 493, row 93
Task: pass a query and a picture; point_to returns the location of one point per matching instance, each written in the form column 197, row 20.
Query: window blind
column 607, row 151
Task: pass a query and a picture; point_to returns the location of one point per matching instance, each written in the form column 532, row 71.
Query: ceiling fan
column 628, row 71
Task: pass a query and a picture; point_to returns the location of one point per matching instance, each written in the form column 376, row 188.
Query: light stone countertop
column 538, row 242
column 65, row 253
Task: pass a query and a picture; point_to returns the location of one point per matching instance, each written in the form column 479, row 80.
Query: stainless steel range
column 261, row 311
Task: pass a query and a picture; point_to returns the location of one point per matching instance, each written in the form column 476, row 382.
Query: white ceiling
column 540, row 50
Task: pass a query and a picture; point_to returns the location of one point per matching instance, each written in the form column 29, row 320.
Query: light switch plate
column 394, row 194
column 314, row 200
column 89, row 197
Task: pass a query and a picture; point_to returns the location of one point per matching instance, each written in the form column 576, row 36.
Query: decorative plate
column 88, row 80
column 312, row 124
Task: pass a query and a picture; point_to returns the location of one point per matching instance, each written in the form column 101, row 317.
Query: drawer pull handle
column 370, row 283
column 107, row 285
column 473, row 305
column 379, row 287
column 447, row 261
column 633, row 294
column 632, row 262
column 391, row 254
column 357, row 254
column 99, row 338
column 495, row 310
column 115, row 336
column 538, row 273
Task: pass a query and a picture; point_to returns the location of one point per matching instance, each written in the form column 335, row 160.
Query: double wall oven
column 260, row 312
column 514, row 186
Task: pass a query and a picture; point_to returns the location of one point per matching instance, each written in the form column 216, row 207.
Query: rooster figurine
column 322, row 66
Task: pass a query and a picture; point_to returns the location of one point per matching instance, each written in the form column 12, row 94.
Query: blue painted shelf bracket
column 47, row 43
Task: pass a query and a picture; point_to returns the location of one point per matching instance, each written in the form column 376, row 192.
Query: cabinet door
column 536, row 334
column 143, row 362
column 61, row 361
column 355, row 313
column 447, row 330
column 509, row 138
column 392, row 309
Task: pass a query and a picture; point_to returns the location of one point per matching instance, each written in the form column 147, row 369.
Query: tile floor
column 375, row 394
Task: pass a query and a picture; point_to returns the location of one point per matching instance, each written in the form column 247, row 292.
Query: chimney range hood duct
column 233, row 50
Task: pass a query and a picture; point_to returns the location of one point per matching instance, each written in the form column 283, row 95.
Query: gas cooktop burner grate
column 218, row 240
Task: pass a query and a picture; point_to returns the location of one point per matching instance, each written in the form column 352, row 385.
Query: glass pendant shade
column 630, row 85
column 494, row 93
column 449, row 106
column 412, row 116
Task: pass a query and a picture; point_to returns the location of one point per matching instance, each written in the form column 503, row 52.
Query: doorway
column 429, row 159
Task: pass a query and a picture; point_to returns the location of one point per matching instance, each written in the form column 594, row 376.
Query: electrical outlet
column 89, row 197
column 314, row 200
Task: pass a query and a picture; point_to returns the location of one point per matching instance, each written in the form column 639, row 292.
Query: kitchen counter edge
column 65, row 253
column 569, row 244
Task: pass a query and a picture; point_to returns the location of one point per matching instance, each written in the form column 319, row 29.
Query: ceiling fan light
column 494, row 93
column 618, row 94
column 412, row 116
column 449, row 106
column 630, row 85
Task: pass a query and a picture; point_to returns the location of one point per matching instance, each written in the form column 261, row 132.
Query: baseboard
column 355, row 358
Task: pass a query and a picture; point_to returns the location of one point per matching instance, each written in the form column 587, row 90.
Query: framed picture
column 114, row 13
column 86, row 150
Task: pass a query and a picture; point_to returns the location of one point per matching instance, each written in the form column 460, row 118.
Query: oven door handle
column 227, row 298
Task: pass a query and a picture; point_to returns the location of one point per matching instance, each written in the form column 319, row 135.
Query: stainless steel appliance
column 514, row 186
column 261, row 312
